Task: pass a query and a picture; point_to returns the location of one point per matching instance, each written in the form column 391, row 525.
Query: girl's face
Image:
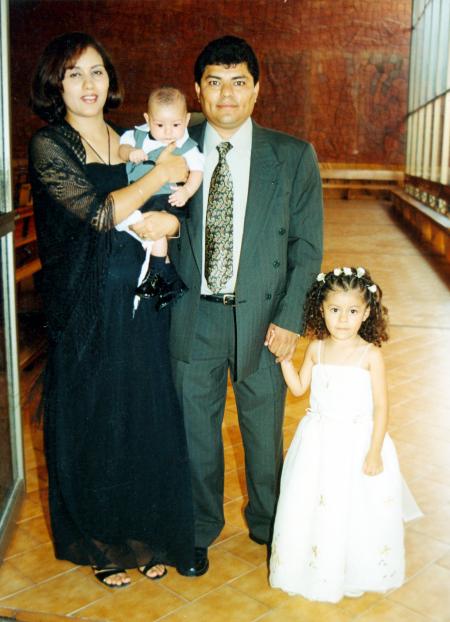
column 344, row 312
column 85, row 86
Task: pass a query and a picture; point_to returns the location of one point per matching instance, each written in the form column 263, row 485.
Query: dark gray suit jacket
column 281, row 248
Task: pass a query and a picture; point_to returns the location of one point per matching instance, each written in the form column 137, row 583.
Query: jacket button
column 268, row 296
column 276, row 263
column 282, row 231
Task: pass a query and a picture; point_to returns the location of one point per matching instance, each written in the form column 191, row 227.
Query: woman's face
column 85, row 86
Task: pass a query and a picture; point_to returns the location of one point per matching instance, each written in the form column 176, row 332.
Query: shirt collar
column 241, row 139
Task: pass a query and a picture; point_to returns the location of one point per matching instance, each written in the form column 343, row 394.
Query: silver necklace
column 95, row 150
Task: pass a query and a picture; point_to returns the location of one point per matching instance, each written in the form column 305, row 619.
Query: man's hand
column 281, row 342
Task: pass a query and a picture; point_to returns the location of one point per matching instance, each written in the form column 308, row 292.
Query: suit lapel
column 194, row 223
column 264, row 169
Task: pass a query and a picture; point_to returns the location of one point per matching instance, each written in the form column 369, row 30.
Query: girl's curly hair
column 373, row 329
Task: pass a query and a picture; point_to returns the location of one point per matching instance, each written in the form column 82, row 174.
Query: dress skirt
column 119, row 481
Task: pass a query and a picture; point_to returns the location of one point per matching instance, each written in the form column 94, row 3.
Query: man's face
column 227, row 94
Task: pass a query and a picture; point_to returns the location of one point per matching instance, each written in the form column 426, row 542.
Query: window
column 428, row 142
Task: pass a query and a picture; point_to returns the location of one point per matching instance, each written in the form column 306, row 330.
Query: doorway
column 12, row 484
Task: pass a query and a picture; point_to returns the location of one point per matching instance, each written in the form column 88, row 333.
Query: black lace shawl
column 74, row 226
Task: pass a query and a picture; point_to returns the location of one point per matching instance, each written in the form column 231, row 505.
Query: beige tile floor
column 34, row 587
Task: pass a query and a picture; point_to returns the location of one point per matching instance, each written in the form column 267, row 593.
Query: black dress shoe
column 163, row 284
column 152, row 285
column 200, row 566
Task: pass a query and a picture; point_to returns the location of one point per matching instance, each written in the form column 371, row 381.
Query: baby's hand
column 373, row 464
column 179, row 197
column 137, row 156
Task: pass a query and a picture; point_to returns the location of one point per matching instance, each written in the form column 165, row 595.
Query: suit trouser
column 201, row 386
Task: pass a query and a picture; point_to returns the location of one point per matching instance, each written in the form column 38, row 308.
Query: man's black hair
column 226, row 51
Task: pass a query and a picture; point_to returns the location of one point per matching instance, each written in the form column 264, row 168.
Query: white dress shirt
column 238, row 159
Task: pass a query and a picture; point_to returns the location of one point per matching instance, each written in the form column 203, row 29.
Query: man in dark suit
column 276, row 251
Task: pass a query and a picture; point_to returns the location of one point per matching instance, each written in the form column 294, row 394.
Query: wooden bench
column 340, row 181
column 346, row 180
column 30, row 318
column 27, row 261
column 431, row 226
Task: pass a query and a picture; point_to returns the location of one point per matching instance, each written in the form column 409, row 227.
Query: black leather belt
column 225, row 299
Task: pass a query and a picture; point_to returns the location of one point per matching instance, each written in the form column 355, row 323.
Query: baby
column 166, row 122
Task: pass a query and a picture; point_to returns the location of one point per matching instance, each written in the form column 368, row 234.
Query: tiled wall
column 333, row 71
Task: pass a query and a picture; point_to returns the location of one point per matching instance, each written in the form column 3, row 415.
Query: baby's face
column 167, row 122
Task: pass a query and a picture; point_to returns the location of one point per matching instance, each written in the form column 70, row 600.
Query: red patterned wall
column 332, row 71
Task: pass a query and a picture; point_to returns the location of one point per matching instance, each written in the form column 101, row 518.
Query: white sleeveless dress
column 337, row 530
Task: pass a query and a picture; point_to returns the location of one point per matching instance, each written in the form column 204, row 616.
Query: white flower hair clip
column 346, row 271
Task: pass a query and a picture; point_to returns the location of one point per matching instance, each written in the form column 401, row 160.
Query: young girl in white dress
column 339, row 524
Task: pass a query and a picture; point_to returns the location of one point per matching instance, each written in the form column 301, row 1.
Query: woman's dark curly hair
column 59, row 55
column 373, row 329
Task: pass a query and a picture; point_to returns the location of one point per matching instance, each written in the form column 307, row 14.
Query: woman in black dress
column 119, row 484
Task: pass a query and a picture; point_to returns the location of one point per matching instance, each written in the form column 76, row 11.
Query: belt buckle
column 228, row 299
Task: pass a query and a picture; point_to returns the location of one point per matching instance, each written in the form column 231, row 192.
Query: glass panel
column 428, row 142
column 6, row 470
column 443, row 49
column 426, row 66
column 415, row 71
column 420, row 67
column 419, row 130
column 437, row 140
column 445, row 170
column 11, row 446
column 434, row 42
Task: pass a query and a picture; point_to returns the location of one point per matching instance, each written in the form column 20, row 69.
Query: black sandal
column 101, row 574
column 153, row 562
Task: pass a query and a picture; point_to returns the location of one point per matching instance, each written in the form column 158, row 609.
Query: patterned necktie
column 219, row 224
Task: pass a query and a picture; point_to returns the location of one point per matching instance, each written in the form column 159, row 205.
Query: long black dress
column 119, row 484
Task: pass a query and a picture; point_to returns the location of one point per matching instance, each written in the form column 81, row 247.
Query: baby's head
column 354, row 281
column 167, row 114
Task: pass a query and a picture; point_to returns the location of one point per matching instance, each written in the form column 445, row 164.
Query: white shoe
column 353, row 594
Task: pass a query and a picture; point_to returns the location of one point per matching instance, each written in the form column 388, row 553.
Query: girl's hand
column 281, row 342
column 174, row 167
column 373, row 464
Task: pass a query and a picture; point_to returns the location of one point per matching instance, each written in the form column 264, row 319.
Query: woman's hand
column 156, row 225
column 174, row 167
column 168, row 169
